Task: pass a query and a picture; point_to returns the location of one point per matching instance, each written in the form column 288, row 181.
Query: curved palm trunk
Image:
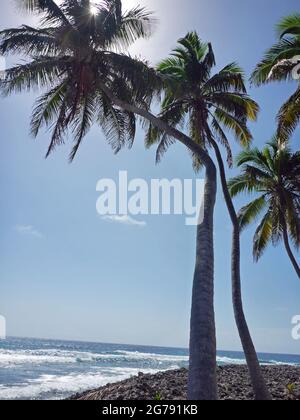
column 289, row 250
column 202, row 384
column 258, row 382
column 202, row 368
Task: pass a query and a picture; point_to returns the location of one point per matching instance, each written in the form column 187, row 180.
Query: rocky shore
column 233, row 382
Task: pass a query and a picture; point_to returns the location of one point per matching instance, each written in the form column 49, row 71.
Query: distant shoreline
column 233, row 382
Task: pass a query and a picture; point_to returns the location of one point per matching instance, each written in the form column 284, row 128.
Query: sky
column 66, row 273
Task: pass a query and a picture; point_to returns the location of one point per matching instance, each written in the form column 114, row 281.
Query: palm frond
column 289, row 25
column 53, row 12
column 142, row 80
column 285, row 49
column 249, row 213
column 194, row 47
column 239, row 128
column 292, row 216
column 164, row 144
column 209, row 60
column 135, row 24
column 240, row 105
column 60, row 128
column 274, row 173
column 83, row 123
column 229, row 78
column 40, row 73
column 28, row 41
column 262, row 236
column 118, row 125
column 47, row 108
column 288, row 117
column 241, row 184
column 221, row 136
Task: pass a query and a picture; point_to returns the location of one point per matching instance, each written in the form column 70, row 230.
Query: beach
column 233, row 383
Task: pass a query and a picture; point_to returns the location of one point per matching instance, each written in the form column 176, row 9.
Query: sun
column 93, row 10
column 127, row 4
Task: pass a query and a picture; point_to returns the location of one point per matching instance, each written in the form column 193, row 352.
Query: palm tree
column 69, row 52
column 210, row 105
column 280, row 63
column 273, row 173
column 78, row 59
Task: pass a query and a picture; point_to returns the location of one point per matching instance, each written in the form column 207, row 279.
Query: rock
column 234, row 384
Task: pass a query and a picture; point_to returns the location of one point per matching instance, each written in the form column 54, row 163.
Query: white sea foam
column 57, row 387
column 276, row 363
column 152, row 356
column 9, row 358
column 229, row 361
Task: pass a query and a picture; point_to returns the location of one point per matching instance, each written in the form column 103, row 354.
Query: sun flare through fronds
column 72, row 57
column 94, row 9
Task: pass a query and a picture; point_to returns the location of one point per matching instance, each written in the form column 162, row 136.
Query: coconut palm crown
column 76, row 45
column 208, row 104
column 274, row 174
column 281, row 63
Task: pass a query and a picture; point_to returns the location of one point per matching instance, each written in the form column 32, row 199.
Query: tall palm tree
column 68, row 53
column 273, row 173
column 210, row 105
column 280, row 63
column 78, row 59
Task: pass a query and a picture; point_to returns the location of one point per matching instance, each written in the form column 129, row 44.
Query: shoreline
column 233, row 382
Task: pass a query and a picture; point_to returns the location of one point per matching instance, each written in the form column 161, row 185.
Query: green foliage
column 207, row 105
column 278, row 64
column 68, row 56
column 289, row 25
column 157, row 397
column 291, row 388
column 289, row 117
column 273, row 174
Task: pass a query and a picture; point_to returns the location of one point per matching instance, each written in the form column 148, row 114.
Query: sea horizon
column 136, row 345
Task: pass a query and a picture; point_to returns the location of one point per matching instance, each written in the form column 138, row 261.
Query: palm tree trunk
column 289, row 250
column 258, row 382
column 202, row 367
column 202, row 384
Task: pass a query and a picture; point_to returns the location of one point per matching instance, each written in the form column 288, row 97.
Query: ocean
column 32, row 369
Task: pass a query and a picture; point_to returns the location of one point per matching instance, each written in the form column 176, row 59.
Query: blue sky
column 65, row 273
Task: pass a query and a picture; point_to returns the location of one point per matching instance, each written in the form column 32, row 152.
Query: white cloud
column 125, row 220
column 28, row 230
